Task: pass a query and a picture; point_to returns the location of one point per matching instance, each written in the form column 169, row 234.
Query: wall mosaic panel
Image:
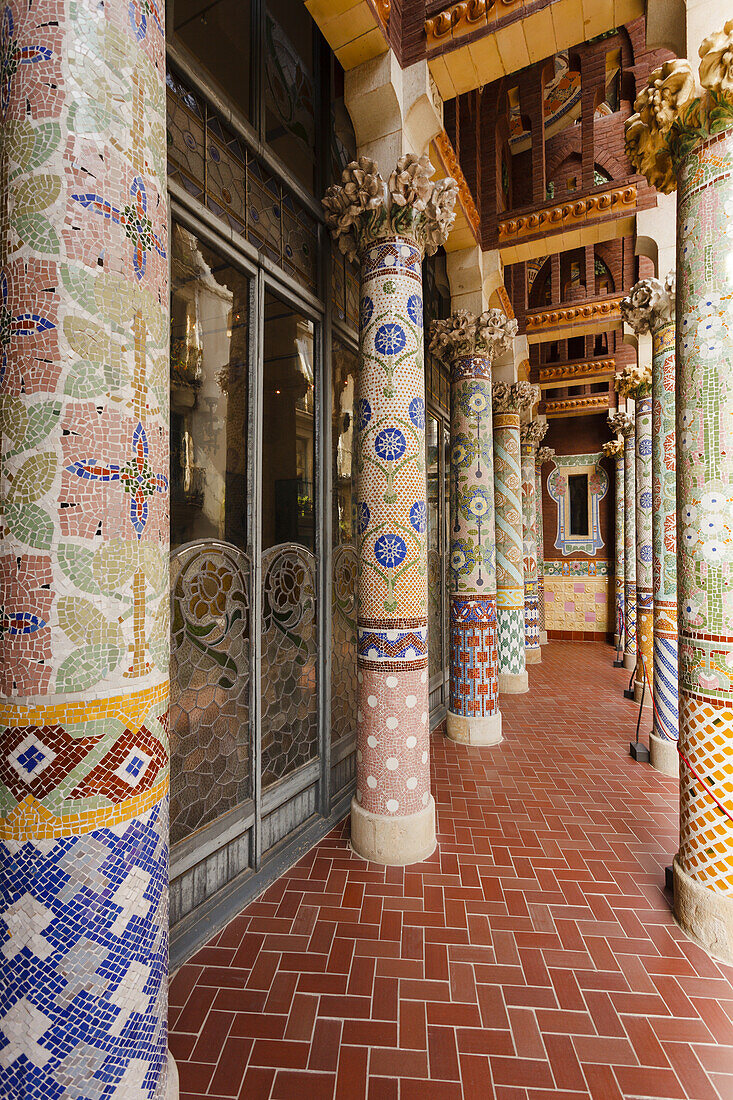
column 578, row 603
column 557, row 487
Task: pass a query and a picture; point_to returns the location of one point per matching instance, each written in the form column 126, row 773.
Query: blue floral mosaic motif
column 390, row 551
column 416, row 411
column 390, row 444
column 363, row 414
column 645, row 447
column 419, row 516
column 645, row 500
column 390, row 339
column 366, row 312
column 414, row 309
column 363, row 515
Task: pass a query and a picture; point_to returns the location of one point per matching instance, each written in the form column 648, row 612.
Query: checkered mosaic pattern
column 474, row 657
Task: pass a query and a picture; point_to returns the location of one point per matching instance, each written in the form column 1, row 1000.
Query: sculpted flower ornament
column 634, row 381
column 716, row 64
column 671, row 88
column 613, row 448
column 515, row 396
column 649, row 303
column 533, row 432
column 362, row 207
column 465, row 334
column 544, row 454
column 623, row 423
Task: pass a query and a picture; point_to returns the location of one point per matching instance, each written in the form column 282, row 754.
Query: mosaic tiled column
column 393, row 812
column 544, row 454
column 651, row 308
column 468, row 344
column 531, row 435
column 627, row 429
column 615, row 449
column 509, row 400
column 697, row 155
column 84, row 762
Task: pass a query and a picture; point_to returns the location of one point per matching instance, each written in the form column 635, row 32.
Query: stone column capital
column 614, row 448
column 634, row 381
column 363, row 208
column 675, row 111
column 533, row 432
column 465, row 334
column 650, row 304
column 623, row 423
column 544, row 454
column 514, row 397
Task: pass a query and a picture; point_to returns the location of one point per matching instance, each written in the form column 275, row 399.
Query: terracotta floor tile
column 533, row 957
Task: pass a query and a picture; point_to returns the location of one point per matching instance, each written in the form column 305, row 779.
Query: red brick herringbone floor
column 533, row 956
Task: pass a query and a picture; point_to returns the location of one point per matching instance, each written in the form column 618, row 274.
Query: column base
column 533, row 656
column 173, row 1087
column 663, row 756
column 543, row 637
column 629, row 660
column 706, row 916
column 638, row 689
column 474, row 731
column 393, row 841
column 513, row 683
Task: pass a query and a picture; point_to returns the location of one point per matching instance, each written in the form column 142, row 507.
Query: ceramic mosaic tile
column 509, row 539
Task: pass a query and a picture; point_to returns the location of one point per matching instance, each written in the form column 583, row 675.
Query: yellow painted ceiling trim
column 356, row 30
column 466, row 228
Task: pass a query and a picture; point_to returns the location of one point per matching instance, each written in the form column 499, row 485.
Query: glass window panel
column 218, row 33
column 290, row 117
column 208, row 382
column 435, row 586
column 578, row 492
column 343, row 623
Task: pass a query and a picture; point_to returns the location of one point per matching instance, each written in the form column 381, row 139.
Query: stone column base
column 533, row 656
column 513, row 683
column 706, row 916
column 638, row 689
column 173, row 1085
column 543, row 637
column 474, row 731
column 629, row 660
column 663, row 756
column 393, row 841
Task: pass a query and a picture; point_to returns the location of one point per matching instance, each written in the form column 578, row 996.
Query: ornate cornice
column 463, row 16
column 649, row 303
column 576, row 406
column 613, row 448
column 514, row 396
column 556, row 217
column 447, row 154
column 463, row 333
column 622, row 423
column 363, row 208
column 533, row 432
column 634, row 381
column 383, row 9
column 674, row 113
column 574, row 372
column 607, row 308
column 544, row 454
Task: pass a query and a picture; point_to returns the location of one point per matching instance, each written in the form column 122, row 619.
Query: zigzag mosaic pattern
column 509, row 563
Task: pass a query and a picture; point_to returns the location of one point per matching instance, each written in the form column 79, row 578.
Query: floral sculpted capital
column 463, row 333
column 649, row 304
column 544, row 454
column 623, row 423
column 613, row 448
column 514, row 396
column 533, row 432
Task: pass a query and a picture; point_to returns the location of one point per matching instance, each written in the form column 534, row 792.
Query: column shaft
column 663, row 750
column 393, row 816
column 540, row 554
column 84, row 817
column 509, row 564
column 620, row 572
column 533, row 653
column 630, row 548
column 704, row 865
column 644, row 594
column 474, row 715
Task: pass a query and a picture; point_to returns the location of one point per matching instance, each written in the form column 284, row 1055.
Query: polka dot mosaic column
column 615, row 449
column 84, row 560
column 629, row 435
column 644, row 594
column 467, row 344
column 530, row 435
column 509, row 400
column 393, row 812
column 699, row 161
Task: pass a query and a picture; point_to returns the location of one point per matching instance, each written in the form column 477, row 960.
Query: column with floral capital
column 544, row 454
column 389, row 225
column 624, row 424
column 635, row 384
column 510, row 400
column 532, row 433
column 468, row 345
column 681, row 137
column 615, row 449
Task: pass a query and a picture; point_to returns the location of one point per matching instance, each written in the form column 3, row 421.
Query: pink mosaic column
column 544, row 454
column 532, row 434
column 393, row 812
column 468, row 344
column 84, row 558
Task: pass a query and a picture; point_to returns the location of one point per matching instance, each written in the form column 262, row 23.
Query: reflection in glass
column 218, row 33
column 435, row 587
column 290, row 127
column 208, row 394
column 343, row 623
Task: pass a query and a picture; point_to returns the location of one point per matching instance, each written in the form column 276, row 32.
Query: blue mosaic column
column 644, row 593
column 544, row 454
column 615, row 449
column 84, row 558
column 393, row 810
column 531, row 434
column 468, row 344
column 629, row 434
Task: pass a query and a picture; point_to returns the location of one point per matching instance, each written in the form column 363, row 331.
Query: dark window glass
column 344, row 366
column 208, row 383
column 344, row 362
column 218, row 34
column 290, row 87
column 288, row 495
column 578, row 493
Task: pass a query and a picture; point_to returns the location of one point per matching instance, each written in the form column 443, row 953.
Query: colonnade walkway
column 533, row 956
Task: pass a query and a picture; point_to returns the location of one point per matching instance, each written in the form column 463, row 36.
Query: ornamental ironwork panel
column 343, row 643
column 289, row 701
column 210, row 684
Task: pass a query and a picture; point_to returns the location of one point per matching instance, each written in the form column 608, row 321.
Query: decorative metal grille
column 289, row 736
column 343, row 644
column 210, row 684
column 435, row 614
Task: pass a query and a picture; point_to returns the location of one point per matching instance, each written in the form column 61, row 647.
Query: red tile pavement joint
column 534, row 955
